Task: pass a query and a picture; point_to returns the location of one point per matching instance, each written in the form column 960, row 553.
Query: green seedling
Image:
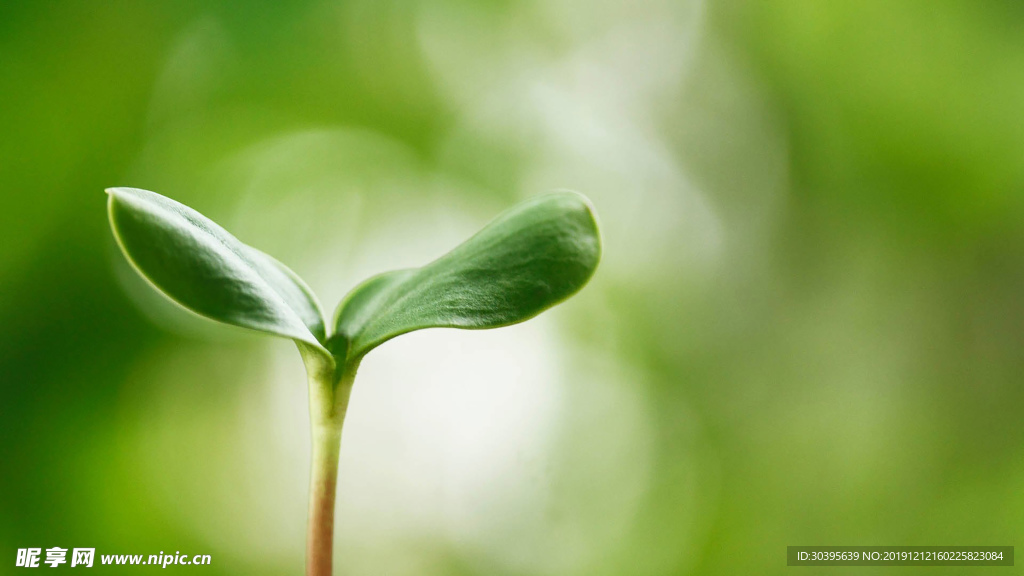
column 530, row 258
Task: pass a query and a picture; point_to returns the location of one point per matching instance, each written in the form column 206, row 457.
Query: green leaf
column 530, row 258
column 202, row 267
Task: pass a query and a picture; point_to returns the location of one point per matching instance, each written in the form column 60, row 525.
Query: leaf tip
column 594, row 223
column 116, row 195
column 114, row 191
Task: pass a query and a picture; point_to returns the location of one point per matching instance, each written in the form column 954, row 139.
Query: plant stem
column 328, row 402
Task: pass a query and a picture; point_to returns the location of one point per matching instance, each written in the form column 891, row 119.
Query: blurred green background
column 808, row 327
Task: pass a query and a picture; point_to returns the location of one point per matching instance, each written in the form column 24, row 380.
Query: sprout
column 528, row 259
